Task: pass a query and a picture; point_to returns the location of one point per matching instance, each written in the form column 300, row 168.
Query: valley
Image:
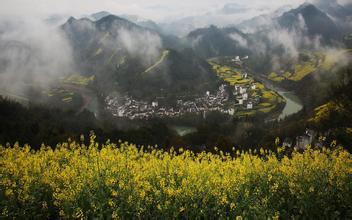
column 176, row 109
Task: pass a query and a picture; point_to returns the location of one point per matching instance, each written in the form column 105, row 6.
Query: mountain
column 214, row 41
column 263, row 21
column 341, row 14
column 333, row 8
column 99, row 15
column 146, row 23
column 131, row 59
column 309, row 19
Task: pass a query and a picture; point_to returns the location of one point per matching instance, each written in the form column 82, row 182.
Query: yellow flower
column 111, row 203
column 79, row 213
column 9, row 192
column 114, row 215
column 114, row 193
column 62, row 213
column 44, row 205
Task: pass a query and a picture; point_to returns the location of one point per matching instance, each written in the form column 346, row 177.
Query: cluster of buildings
column 241, row 94
column 133, row 109
column 309, row 138
column 128, row 107
column 219, row 101
column 239, row 61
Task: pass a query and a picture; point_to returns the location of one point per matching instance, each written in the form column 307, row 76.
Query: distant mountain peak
column 71, row 20
column 110, row 18
column 99, row 15
column 317, row 22
column 306, row 7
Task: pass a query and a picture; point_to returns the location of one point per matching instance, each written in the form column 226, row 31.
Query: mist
column 33, row 54
column 144, row 45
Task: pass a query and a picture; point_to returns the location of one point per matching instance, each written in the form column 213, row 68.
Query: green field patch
column 266, row 110
column 275, row 77
column 302, row 71
column 67, row 99
column 265, row 104
column 78, row 79
column 98, row 52
column 309, row 63
column 160, row 61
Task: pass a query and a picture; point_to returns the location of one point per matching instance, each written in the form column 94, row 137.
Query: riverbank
column 293, row 102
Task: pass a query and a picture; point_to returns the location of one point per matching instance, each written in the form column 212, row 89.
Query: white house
column 155, row 104
column 249, row 105
column 245, row 96
column 253, row 86
column 240, row 101
column 120, row 113
column 243, row 90
column 231, row 111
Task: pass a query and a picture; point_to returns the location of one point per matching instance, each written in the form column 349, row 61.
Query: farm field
column 269, row 99
column 120, row 181
column 313, row 62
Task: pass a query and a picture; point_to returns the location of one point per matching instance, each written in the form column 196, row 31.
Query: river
column 293, row 102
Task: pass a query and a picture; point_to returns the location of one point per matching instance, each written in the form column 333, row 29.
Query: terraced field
column 77, row 79
column 269, row 100
column 314, row 62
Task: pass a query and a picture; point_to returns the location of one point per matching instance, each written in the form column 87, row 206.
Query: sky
column 158, row 10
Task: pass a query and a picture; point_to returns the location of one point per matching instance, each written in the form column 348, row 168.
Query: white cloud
column 154, row 9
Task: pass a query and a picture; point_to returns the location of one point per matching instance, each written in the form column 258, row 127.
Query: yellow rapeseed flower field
column 107, row 181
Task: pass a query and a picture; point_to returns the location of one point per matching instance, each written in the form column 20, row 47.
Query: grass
column 274, row 77
column 67, row 99
column 98, row 52
column 317, row 62
column 325, row 111
column 60, row 93
column 302, row 71
column 160, row 61
column 78, row 79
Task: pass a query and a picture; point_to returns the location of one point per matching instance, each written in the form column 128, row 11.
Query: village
column 239, row 95
column 133, row 109
column 221, row 101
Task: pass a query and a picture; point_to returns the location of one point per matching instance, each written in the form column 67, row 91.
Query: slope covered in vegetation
column 122, row 181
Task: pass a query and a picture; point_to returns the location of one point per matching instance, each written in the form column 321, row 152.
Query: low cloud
column 142, row 44
column 239, row 39
column 32, row 54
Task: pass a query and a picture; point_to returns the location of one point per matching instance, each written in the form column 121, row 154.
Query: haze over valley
column 172, row 109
